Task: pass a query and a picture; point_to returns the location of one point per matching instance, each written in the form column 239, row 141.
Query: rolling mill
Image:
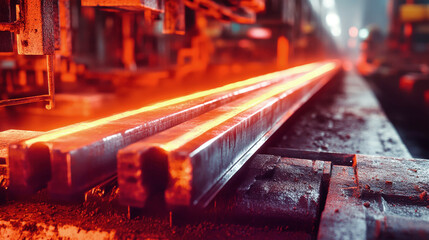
column 214, row 119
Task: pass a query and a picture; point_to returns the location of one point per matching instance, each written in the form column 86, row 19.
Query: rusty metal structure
column 190, row 119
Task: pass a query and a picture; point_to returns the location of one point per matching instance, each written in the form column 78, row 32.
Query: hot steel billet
column 75, row 158
column 191, row 162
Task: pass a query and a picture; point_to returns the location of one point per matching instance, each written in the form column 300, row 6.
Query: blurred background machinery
column 110, row 46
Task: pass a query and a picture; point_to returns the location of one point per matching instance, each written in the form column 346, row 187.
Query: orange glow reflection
column 87, row 125
column 200, row 129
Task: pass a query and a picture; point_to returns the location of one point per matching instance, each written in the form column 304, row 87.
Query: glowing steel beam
column 87, row 125
column 200, row 129
column 83, row 155
column 190, row 162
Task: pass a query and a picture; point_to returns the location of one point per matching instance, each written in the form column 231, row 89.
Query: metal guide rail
column 73, row 159
column 191, row 162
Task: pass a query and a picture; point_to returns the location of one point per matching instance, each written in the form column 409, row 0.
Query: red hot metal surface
column 192, row 161
column 75, row 158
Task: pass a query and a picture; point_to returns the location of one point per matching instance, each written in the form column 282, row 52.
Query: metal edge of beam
column 206, row 198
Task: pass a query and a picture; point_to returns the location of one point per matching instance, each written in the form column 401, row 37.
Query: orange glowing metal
column 311, row 76
column 87, row 125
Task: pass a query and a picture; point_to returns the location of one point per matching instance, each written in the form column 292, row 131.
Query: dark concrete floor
column 345, row 117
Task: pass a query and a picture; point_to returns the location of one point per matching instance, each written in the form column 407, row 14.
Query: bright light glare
column 259, row 33
column 332, row 19
column 363, row 33
column 329, row 3
column 336, row 31
column 315, row 4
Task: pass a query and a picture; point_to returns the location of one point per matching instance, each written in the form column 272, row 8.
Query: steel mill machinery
column 190, row 119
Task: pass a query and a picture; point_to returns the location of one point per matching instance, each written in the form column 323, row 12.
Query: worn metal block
column 394, row 193
column 37, row 35
column 285, row 191
column 343, row 216
column 380, row 198
column 393, row 177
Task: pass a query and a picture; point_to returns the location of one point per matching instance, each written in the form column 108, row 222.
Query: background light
column 353, row 32
column 328, row 3
column 336, row 31
column 363, row 33
column 332, row 19
column 259, row 33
